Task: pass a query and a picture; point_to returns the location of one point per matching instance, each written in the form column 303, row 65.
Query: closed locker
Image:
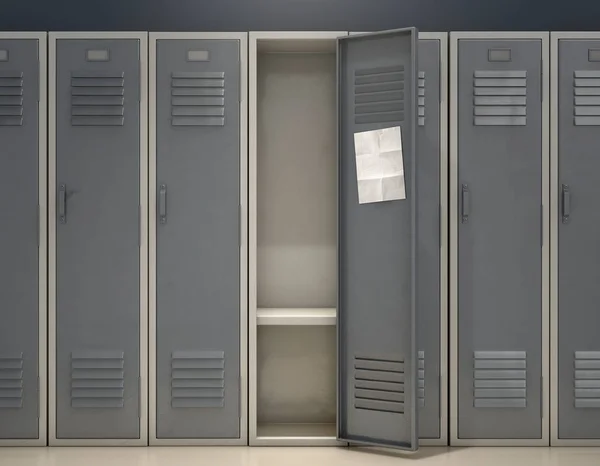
column 98, row 167
column 198, row 182
column 377, row 344
column 432, row 239
column 576, row 269
column 499, row 265
column 23, row 239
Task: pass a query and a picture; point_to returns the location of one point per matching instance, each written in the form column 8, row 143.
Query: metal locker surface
column 97, row 238
column 578, row 235
column 198, row 239
column 377, row 357
column 19, row 280
column 500, row 227
column 429, row 239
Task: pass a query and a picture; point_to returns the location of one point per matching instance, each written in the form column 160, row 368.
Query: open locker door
column 377, row 356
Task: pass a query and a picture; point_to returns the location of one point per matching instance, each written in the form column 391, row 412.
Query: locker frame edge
column 42, row 438
column 242, row 37
column 544, row 37
column 143, row 199
column 555, row 38
column 253, row 38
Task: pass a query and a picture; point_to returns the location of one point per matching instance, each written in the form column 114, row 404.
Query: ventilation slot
column 379, row 95
column 500, row 98
column 198, row 99
column 11, row 381
column 587, row 379
column 379, row 384
column 586, row 89
column 421, row 98
column 500, row 379
column 197, row 379
column 97, row 99
column 97, row 379
column 421, row 380
column 11, row 98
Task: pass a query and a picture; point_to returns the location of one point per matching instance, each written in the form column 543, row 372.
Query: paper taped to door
column 379, row 165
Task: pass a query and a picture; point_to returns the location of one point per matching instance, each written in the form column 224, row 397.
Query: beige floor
column 243, row 456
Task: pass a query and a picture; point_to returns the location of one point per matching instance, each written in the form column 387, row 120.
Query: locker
column 98, row 192
column 377, row 245
column 576, row 273
column 432, row 247
column 500, row 253
column 198, row 243
column 23, row 239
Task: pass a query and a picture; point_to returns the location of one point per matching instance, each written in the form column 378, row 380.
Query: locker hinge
column 542, row 80
column 542, row 226
column 37, row 225
column 440, row 226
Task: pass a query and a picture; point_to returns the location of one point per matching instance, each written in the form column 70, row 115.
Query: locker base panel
column 296, row 435
column 98, row 442
column 499, row 442
column 558, row 442
column 30, row 442
column 296, row 316
column 197, row 442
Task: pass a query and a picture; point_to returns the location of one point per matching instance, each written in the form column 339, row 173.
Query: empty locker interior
column 293, row 238
column 575, row 228
column 98, row 230
column 198, row 205
column 500, row 261
column 23, row 245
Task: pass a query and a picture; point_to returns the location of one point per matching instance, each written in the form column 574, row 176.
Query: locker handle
column 566, row 203
column 162, row 203
column 62, row 203
column 465, row 203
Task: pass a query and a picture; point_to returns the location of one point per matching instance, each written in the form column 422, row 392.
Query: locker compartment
column 296, row 382
column 500, row 254
column 576, row 270
column 23, row 239
column 293, row 131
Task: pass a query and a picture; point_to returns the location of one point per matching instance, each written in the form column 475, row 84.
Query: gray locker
column 198, row 235
column 377, row 248
column 22, row 238
column 577, row 121
column 97, row 91
column 430, row 184
column 500, row 155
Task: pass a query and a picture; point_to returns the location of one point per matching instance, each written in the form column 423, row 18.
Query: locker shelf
column 296, row 434
column 296, row 316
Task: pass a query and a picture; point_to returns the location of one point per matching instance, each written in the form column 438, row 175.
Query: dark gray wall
column 247, row 15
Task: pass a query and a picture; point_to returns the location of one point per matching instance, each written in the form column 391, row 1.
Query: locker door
column 97, row 239
column 429, row 238
column 198, row 239
column 377, row 355
column 19, row 167
column 578, row 239
column 499, row 239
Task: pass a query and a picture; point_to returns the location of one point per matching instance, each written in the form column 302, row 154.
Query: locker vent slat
column 586, row 96
column 379, row 383
column 378, row 95
column 500, row 379
column 97, row 98
column 500, row 98
column 197, row 98
column 421, row 98
column 197, row 379
column 11, row 381
column 421, row 380
column 97, row 379
column 11, row 98
column 587, row 379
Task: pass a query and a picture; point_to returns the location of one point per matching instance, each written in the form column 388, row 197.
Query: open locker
column 23, row 246
column 98, row 238
column 293, row 240
column 198, row 253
